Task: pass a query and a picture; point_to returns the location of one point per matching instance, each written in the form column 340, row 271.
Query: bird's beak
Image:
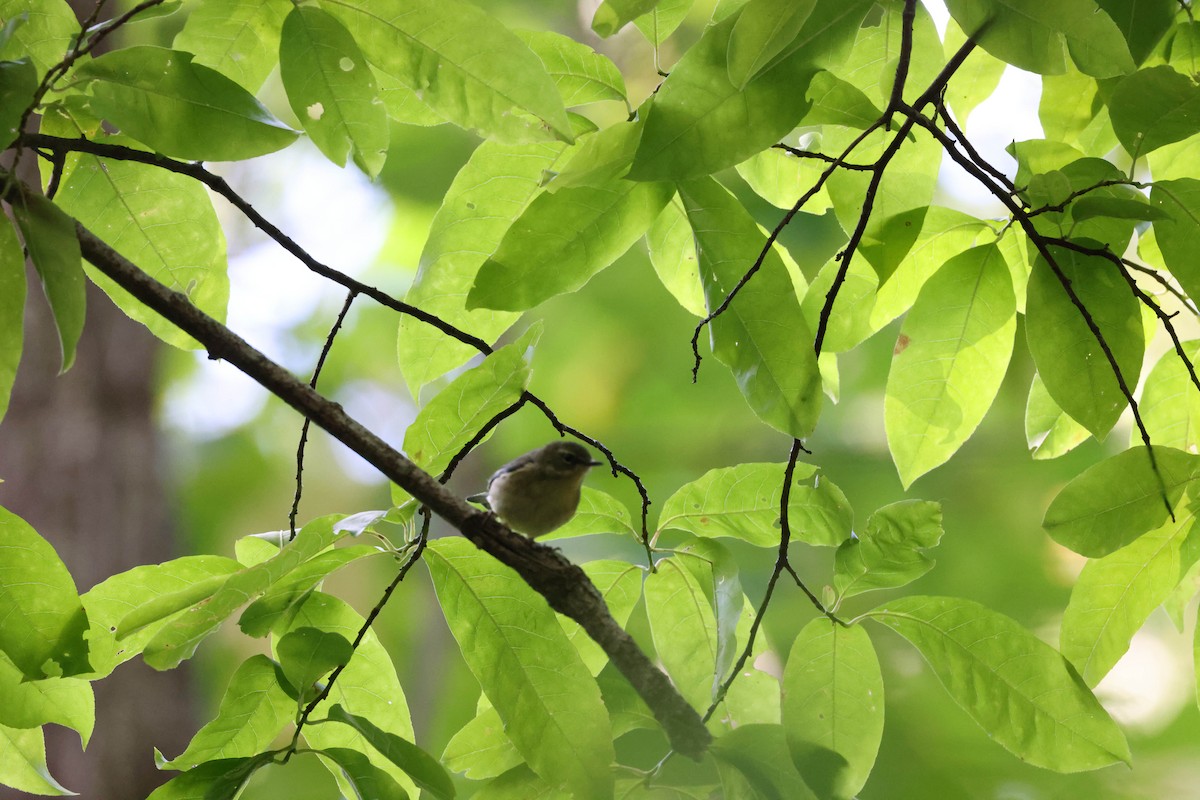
column 595, row 463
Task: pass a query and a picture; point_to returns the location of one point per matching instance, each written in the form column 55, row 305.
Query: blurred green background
column 615, row 362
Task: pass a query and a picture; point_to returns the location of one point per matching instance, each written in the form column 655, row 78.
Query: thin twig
column 819, row 156
column 337, row 326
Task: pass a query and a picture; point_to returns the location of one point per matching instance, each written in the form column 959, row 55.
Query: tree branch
column 565, row 586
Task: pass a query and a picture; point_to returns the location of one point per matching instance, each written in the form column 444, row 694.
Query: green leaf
column 180, row 108
column 1030, row 34
column 673, row 255
column 1114, row 502
column 663, row 20
column 1072, row 111
column 1067, row 354
column 45, row 35
column 24, row 764
column 179, row 637
column 564, row 238
column 950, row 360
column 684, row 629
column 1015, row 686
column 30, row 704
column 462, row 62
column 45, row 626
column 278, row 603
column 1179, row 237
column 161, row 221
column 480, row 749
column 1050, row 431
column 331, row 89
column 163, row 606
column 838, row 102
column 238, row 38
column 781, row 179
column 487, row 194
column 1133, row 206
column 1170, row 402
column 423, row 768
column 761, row 335
column 744, row 502
column 1142, row 22
column 253, row 710
column 54, row 250
column 763, row 30
column 368, row 686
column 888, row 553
column 612, row 15
column 215, row 780
column 110, row 601
column 581, row 74
column 368, row 781
column 1154, row 107
column 760, row 754
column 944, row 234
column 455, row 415
column 975, row 80
column 699, row 122
column 306, row 654
column 1115, row 594
column 598, row 513
column 833, row 707
column 12, row 310
column 18, row 82
column 537, row 682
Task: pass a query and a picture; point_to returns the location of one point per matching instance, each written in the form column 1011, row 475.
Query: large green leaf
column 612, row 15
column 760, row 754
column 950, row 359
column 366, row 779
column 833, row 707
column 45, row 626
column 1115, row 594
column 1142, row 22
column 1020, row 690
column 763, row 30
column 215, row 780
column 1068, row 355
column 762, row 335
column 700, row 122
column 23, row 766
column 480, row 749
column 1030, row 34
column 743, row 502
column 453, row 417
column 581, row 74
column 975, row 80
column 307, row 654
column 253, row 710
column 44, row 36
column 12, row 310
column 461, row 61
column 162, row 98
column 18, row 83
column 839, row 102
column 888, row 553
column 1171, row 402
column 530, row 672
column 238, row 38
column 30, row 704
column 1154, row 107
column 367, row 687
column 781, row 179
column 684, row 629
column 1179, row 237
column 490, row 191
column 564, row 238
column 331, row 89
column 1114, row 502
column 161, row 221
column 113, row 599
column 1049, row 431
column 54, row 250
column 423, row 768
column 673, row 255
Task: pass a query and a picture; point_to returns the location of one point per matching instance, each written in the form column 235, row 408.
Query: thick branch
column 564, row 585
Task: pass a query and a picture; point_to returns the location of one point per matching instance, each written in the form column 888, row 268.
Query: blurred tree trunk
column 81, row 461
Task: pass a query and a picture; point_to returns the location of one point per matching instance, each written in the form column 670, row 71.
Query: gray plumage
column 539, row 491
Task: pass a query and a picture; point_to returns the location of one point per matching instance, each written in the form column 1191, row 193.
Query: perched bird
column 539, row 491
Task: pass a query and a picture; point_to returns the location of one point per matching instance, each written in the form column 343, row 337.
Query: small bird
column 539, row 491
